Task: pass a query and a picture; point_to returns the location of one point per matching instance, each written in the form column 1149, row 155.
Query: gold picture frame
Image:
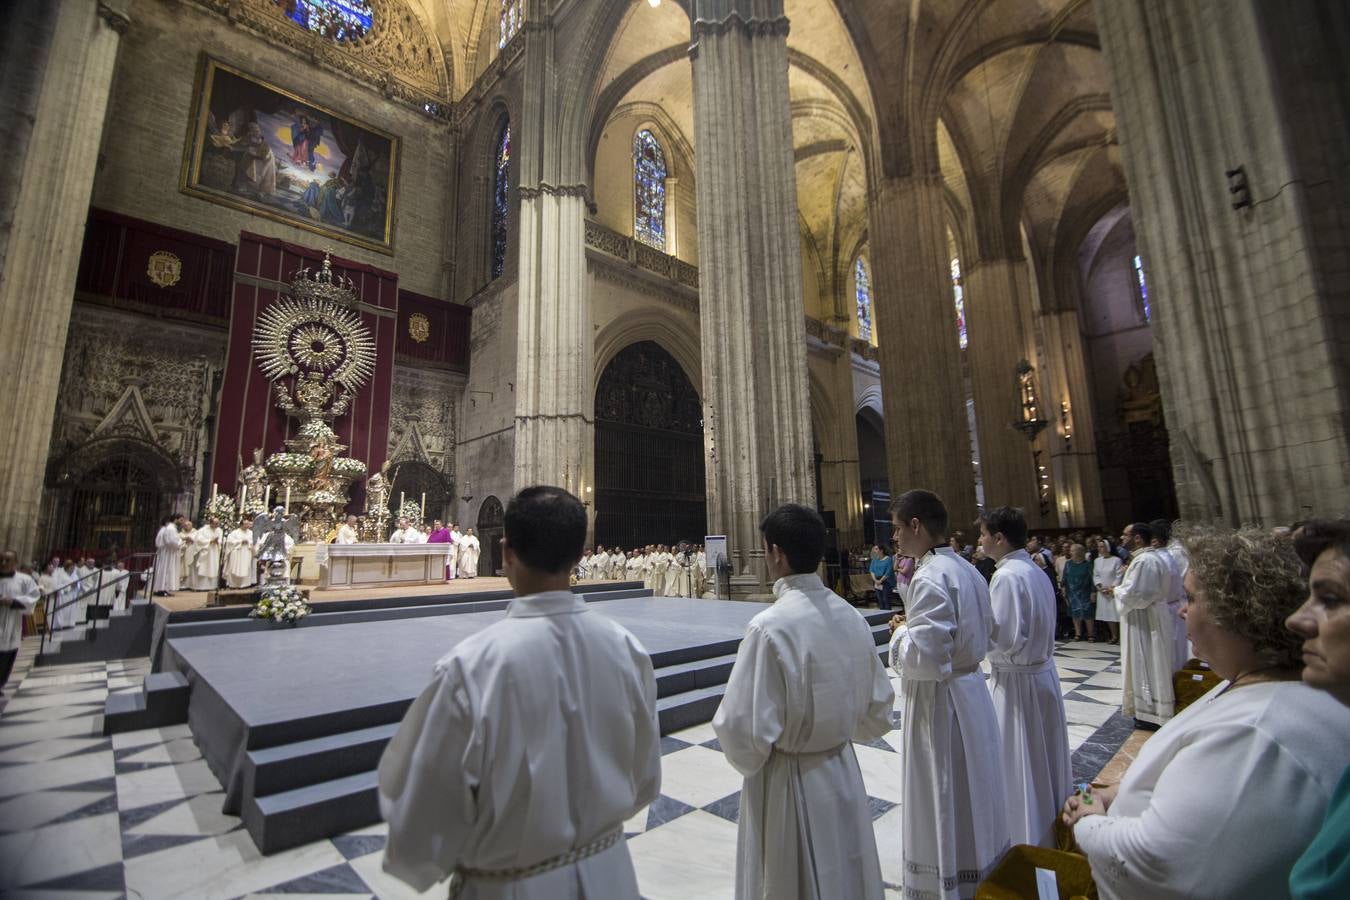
column 260, row 148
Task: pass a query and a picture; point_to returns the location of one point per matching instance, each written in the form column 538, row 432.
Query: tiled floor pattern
column 138, row 815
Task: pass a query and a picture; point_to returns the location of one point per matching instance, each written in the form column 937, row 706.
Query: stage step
column 306, row 814
column 120, row 634
column 691, row 676
column 277, row 769
column 161, row 701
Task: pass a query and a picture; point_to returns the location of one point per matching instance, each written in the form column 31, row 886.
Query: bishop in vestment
column 515, row 770
column 807, row 682
column 955, row 825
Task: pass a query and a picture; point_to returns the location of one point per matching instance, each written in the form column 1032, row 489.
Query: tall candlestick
column 243, row 495
column 423, row 508
column 215, row 490
column 400, row 503
column 267, row 498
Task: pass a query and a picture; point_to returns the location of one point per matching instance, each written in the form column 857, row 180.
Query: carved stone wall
column 424, row 418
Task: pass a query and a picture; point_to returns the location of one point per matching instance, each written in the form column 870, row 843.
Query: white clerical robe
column 955, row 823
column 599, row 567
column 537, row 736
column 806, row 683
column 23, row 593
column 1037, row 771
column 1224, row 798
column 660, row 566
column 1106, row 573
column 409, row 535
column 68, row 592
column 346, row 534
column 167, row 549
column 1147, row 643
column 456, row 548
column 206, row 559
column 1178, row 563
column 632, row 569
column 469, row 549
column 241, row 570
column 187, row 551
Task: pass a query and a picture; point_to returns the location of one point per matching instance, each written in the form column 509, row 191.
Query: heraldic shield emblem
column 164, row 268
column 419, row 327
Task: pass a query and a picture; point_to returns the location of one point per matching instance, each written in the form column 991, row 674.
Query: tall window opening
column 862, row 293
column 959, row 300
column 649, row 190
column 499, row 201
column 511, row 18
column 1141, row 284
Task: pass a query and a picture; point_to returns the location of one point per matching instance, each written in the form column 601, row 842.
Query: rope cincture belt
column 599, row 845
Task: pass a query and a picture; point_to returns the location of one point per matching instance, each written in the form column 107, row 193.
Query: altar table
column 346, row 566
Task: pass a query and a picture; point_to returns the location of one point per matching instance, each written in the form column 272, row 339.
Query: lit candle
column 400, row 503
column 288, row 499
column 215, row 490
column 423, row 508
column 243, row 495
column 267, row 496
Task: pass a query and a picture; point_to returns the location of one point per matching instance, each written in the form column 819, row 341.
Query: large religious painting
column 262, row 149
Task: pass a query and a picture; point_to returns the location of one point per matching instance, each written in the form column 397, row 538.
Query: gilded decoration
column 419, row 328
column 164, row 268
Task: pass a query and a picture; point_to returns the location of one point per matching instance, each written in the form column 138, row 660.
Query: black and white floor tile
column 138, row 815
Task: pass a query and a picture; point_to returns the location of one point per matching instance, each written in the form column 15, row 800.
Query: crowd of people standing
column 668, row 570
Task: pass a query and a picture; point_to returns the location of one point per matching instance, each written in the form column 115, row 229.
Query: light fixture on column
column 467, row 495
column 586, row 498
column 1032, row 422
column 1066, row 425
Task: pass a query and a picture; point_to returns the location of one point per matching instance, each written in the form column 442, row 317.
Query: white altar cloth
column 345, row 566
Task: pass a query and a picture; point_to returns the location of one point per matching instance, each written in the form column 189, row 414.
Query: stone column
column 555, row 427
column 1247, row 274
column 996, row 301
column 757, row 422
column 927, row 436
column 1075, row 474
column 42, row 256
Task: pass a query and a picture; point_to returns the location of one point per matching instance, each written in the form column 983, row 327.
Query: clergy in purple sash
column 441, row 535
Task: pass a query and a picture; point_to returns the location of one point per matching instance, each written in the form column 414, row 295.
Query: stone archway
column 649, row 466
column 491, row 518
column 413, row 478
column 873, row 474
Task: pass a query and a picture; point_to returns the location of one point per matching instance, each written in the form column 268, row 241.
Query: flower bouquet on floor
column 281, row 606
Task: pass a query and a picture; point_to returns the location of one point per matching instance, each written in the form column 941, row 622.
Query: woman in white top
column 1107, row 570
column 1223, row 799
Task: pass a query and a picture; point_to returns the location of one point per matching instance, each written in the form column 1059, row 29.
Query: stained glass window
column 511, row 18
column 1142, row 283
column 499, row 198
column 862, row 292
column 339, row 20
column 959, row 298
column 649, row 190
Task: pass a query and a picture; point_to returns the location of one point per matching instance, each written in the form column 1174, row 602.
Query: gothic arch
column 655, row 326
column 870, row 398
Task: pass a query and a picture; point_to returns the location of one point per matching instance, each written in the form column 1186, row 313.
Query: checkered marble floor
column 138, row 815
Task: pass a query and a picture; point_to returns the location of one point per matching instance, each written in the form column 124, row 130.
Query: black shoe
column 1141, row 725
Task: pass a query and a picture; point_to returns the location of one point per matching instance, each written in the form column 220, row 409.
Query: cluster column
column 757, row 425
column 42, row 251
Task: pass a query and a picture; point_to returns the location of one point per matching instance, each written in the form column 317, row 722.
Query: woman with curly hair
column 1224, row 797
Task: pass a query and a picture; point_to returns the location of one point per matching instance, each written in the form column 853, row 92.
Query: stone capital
column 552, row 190
column 777, row 27
column 113, row 16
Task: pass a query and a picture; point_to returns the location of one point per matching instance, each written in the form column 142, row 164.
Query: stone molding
column 551, row 190
column 114, row 18
column 752, row 27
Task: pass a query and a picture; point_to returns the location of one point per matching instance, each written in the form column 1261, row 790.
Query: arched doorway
column 110, row 496
column 489, row 527
column 873, row 474
column 411, row 480
column 649, row 478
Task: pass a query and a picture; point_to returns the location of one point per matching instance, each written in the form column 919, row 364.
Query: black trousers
column 7, row 658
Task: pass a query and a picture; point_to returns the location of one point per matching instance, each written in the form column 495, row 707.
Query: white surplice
column 469, row 549
column 1106, row 572
column 806, row 683
column 1224, row 798
column 599, row 567
column 167, row 547
column 955, row 824
column 1037, row 771
column 1148, row 647
column 206, row 560
column 23, row 591
column 346, row 534
column 537, row 736
column 1178, row 562
column 409, row 535
column 240, row 569
column 68, row 591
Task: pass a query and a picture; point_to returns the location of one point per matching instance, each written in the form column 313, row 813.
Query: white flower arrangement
column 289, row 463
column 281, row 605
column 346, row 465
column 222, row 508
column 319, row 497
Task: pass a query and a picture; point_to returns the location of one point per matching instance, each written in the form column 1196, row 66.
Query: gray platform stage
column 293, row 720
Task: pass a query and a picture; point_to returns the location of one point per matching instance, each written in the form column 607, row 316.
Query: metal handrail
column 50, row 607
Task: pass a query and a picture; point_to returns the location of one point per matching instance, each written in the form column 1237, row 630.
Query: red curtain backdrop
column 447, row 339
column 247, row 417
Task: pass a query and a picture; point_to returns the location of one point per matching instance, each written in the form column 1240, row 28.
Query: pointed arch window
column 511, row 19
column 649, row 190
column 862, row 294
column 959, row 300
column 1141, row 286
column 499, row 200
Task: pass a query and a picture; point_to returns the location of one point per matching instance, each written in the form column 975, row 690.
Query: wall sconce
column 468, row 493
column 1066, row 425
column 1032, row 423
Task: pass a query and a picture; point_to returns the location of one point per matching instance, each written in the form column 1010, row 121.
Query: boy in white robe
column 1148, row 643
column 241, row 570
column 1037, row 767
column 955, row 824
column 537, row 738
column 167, row 557
column 807, row 682
column 18, row 595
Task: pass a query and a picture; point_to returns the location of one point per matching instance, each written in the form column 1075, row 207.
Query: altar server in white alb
column 1037, row 771
column 807, row 683
column 18, row 595
column 955, row 824
column 241, row 570
column 405, row 533
column 1174, row 555
column 469, row 549
column 168, row 549
column 1148, row 641
column 206, row 563
column 537, row 738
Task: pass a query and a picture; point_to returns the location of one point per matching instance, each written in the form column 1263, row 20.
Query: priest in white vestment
column 241, row 569
column 807, row 682
column 206, row 560
column 456, row 547
column 168, row 548
column 1037, row 768
column 469, row 549
column 1148, row 644
column 955, row 823
column 347, row 533
column 18, row 595
column 68, row 586
column 537, row 738
column 1176, row 561
column 405, row 533
column 599, row 566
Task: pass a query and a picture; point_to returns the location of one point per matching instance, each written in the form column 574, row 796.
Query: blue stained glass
column 862, row 292
column 340, row 20
column 510, row 21
column 1143, row 288
column 649, row 201
column 959, row 299
column 499, row 201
